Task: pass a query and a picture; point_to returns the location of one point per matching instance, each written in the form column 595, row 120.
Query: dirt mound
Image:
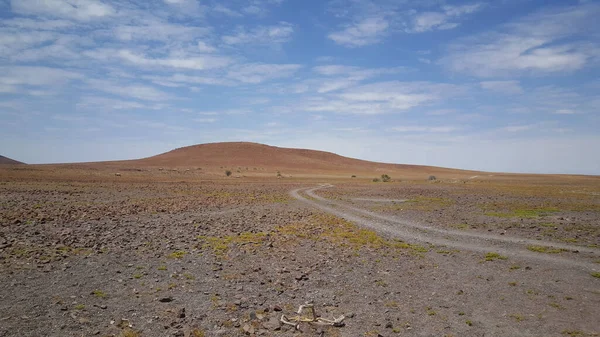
column 8, row 161
column 257, row 156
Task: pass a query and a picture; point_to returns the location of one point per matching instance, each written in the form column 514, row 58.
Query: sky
column 504, row 85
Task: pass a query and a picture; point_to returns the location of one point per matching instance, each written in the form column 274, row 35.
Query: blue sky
column 508, row 85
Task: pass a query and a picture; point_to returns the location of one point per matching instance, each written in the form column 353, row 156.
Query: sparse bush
column 228, row 173
column 385, row 178
column 431, row 178
column 278, row 174
column 491, row 256
column 375, row 180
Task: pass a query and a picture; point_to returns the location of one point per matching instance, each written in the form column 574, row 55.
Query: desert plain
column 225, row 239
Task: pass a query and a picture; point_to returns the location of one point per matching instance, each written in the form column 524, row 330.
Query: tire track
column 413, row 232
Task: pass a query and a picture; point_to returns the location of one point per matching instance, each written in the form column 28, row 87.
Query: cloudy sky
column 511, row 85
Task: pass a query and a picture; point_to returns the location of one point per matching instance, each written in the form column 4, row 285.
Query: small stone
column 272, row 324
column 349, row 315
column 389, row 325
column 276, row 308
column 166, row 299
column 248, row 329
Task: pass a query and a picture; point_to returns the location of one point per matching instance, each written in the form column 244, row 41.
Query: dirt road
column 572, row 256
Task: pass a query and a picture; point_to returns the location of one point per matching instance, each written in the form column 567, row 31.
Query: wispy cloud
column 259, row 72
column 382, row 97
column 533, row 44
column 20, row 79
column 134, row 90
column 261, row 35
column 505, row 87
column 82, row 10
column 447, row 18
column 428, row 129
column 367, row 31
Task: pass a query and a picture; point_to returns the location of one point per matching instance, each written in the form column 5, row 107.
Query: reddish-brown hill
column 8, row 161
column 253, row 155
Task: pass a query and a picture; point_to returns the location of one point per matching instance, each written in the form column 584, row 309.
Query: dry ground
column 178, row 253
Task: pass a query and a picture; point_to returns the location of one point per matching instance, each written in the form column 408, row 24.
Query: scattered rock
column 272, row 324
column 248, row 329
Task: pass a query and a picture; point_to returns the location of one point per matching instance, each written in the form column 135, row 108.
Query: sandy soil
column 87, row 253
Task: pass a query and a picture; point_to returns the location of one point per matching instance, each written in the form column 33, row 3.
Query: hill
column 8, row 161
column 257, row 157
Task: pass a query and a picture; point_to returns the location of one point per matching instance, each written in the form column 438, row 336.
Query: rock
column 181, row 313
column 276, row 308
column 179, row 333
column 166, row 299
column 389, row 325
column 349, row 315
column 221, row 332
column 272, row 324
column 301, row 277
column 248, row 329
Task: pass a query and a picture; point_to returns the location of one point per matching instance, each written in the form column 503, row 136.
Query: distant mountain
column 8, row 161
column 254, row 155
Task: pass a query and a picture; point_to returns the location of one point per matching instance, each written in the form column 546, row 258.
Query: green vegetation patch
column 344, row 233
column 491, row 256
column 177, row 254
column 221, row 245
column 544, row 249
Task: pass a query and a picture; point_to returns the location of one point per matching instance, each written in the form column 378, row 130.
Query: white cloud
column 461, row 10
column 138, row 91
column 347, row 76
column 204, row 47
column 505, row 87
column 565, row 112
column 446, row 19
column 204, row 120
column 12, row 42
column 178, row 80
column 221, row 9
column 154, row 30
column 104, row 103
column 428, row 129
column 82, row 10
column 261, row 35
column 382, row 97
column 260, row 72
column 519, row 128
column 192, row 62
column 431, row 20
column 533, row 44
column 40, row 24
column 367, row 31
column 187, row 7
column 18, row 79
